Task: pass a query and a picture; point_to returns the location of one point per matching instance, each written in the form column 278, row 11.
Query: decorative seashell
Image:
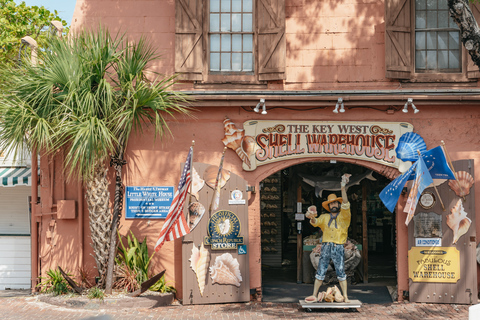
column 458, row 221
column 462, row 185
column 338, row 295
column 195, row 214
column 226, row 270
column 199, row 261
column 210, row 176
column 197, row 184
column 224, row 227
column 408, row 146
column 329, row 295
column 236, row 140
column 321, row 296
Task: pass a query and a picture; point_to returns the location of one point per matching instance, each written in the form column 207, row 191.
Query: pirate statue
column 334, row 225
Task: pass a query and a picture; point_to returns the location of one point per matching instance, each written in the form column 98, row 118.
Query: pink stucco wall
column 331, row 45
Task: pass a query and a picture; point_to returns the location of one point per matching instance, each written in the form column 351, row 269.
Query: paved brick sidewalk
column 30, row 308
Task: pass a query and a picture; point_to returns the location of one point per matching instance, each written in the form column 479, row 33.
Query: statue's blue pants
column 333, row 251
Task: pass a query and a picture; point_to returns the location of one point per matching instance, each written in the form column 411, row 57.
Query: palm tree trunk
column 98, row 198
column 117, row 163
column 469, row 31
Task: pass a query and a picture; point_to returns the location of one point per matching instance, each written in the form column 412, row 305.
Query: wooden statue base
column 329, row 305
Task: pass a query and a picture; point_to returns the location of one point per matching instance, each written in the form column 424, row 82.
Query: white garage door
column 15, row 250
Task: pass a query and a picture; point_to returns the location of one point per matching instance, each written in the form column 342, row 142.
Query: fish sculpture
column 331, row 183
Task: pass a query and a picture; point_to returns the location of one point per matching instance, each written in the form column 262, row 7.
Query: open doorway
column 287, row 244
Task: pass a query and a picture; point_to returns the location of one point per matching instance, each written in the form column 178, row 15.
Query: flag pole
column 191, row 185
column 216, row 181
column 451, row 165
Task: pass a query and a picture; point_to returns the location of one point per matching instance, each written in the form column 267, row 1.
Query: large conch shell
column 236, row 140
column 458, row 221
column 197, row 184
column 338, row 295
column 226, row 270
column 195, row 214
column 329, row 295
column 462, row 185
column 210, row 176
column 199, row 261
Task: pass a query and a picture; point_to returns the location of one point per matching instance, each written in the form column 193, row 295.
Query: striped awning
column 11, row 177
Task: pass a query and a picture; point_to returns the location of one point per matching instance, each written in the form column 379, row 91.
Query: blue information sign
column 148, row 202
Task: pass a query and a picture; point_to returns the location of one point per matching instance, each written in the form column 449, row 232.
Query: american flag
column 175, row 225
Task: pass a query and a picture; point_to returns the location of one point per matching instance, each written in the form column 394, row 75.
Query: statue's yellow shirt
column 331, row 234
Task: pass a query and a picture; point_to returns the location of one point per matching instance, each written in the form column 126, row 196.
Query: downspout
column 34, row 223
column 80, row 224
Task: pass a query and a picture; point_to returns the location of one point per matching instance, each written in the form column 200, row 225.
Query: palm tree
column 88, row 94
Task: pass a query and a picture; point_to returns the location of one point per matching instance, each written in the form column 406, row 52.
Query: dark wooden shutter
column 189, row 39
column 270, row 24
column 472, row 70
column 398, row 32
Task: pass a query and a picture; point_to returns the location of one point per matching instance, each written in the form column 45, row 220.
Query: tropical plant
column 54, row 282
column 95, row 293
column 88, row 94
column 162, row 286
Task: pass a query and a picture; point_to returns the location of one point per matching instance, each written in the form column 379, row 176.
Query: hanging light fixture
column 410, row 102
column 339, row 104
column 264, row 107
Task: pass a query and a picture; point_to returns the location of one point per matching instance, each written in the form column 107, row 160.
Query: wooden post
column 299, row 241
column 365, row 234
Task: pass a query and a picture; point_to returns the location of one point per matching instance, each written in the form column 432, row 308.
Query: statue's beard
column 334, row 209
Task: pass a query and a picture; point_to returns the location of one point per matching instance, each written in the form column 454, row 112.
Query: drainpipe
column 34, row 223
column 80, row 224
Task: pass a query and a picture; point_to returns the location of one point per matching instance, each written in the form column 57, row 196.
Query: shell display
column 210, row 176
column 199, row 261
column 236, row 140
column 226, row 270
column 458, row 221
column 329, row 295
column 197, row 183
column 338, row 295
column 462, row 185
column 408, row 146
column 195, row 214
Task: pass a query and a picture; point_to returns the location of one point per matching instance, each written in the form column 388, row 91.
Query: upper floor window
column 422, row 42
column 231, row 35
column 230, row 41
column 437, row 38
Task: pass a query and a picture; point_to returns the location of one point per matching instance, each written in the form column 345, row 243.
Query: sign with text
column 148, row 202
column 435, row 264
column 223, row 231
column 283, row 140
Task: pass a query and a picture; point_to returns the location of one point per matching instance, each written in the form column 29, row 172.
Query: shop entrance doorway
column 289, row 245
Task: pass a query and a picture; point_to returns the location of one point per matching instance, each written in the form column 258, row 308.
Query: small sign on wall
column 148, row 202
column 438, row 264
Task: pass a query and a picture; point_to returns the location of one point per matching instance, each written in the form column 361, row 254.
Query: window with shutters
column 422, row 42
column 230, row 41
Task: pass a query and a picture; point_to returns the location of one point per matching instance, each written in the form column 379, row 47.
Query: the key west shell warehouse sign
column 282, row 140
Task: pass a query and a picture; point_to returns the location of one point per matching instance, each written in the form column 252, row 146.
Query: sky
column 64, row 7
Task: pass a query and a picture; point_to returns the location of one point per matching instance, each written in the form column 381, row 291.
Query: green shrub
column 162, row 286
column 54, row 282
column 95, row 293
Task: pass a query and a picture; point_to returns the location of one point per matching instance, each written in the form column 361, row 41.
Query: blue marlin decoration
column 331, row 183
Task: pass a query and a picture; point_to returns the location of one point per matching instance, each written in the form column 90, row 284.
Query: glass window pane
column 225, row 5
column 442, row 4
column 215, row 61
column 453, row 40
column 247, row 6
column 247, row 43
column 431, row 60
column 431, row 19
column 420, row 59
column 443, row 19
column 236, row 22
column 225, row 63
column 247, row 22
column 443, row 59
column 236, row 5
column 237, row 42
column 452, row 23
column 225, row 23
column 226, row 42
column 214, row 5
column 247, row 62
column 442, row 40
column 215, row 42
column 420, row 20
column 431, row 4
column 431, row 40
column 420, row 4
column 214, row 22
column 236, row 62
column 420, row 40
column 454, row 59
